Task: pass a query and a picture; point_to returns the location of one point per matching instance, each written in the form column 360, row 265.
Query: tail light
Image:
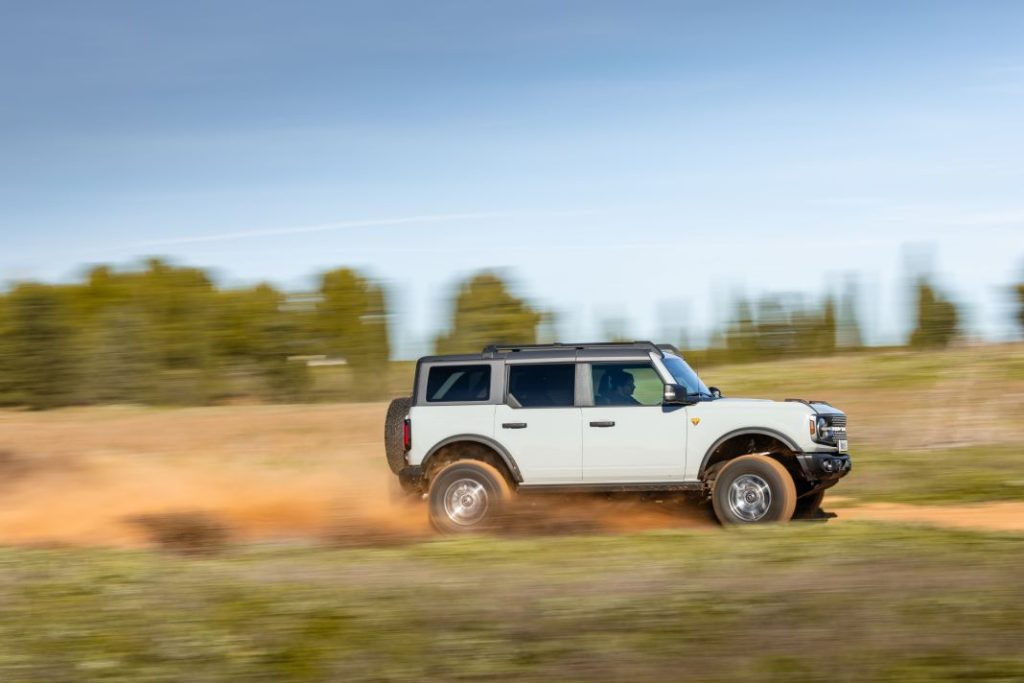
column 407, row 434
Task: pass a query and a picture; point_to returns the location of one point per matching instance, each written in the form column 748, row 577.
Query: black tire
column 483, row 490
column 753, row 489
column 394, row 441
column 809, row 507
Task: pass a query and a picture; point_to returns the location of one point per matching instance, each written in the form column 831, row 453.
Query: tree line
column 164, row 334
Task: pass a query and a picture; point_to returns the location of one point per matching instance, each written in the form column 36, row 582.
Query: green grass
column 805, row 602
column 972, row 474
column 871, row 370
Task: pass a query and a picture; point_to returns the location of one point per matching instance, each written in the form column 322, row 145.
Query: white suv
column 604, row 417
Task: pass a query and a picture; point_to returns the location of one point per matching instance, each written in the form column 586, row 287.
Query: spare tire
column 394, row 433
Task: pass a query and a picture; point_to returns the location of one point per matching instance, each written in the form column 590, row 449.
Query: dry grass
column 318, row 471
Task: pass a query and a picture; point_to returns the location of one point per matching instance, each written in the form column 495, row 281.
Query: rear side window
column 459, row 383
column 545, row 385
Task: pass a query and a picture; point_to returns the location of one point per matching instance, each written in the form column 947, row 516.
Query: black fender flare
column 483, row 441
column 745, row 431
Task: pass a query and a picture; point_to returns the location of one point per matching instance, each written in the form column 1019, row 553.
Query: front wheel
column 753, row 489
column 466, row 496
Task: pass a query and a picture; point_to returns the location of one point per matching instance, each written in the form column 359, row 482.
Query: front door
column 539, row 423
column 628, row 435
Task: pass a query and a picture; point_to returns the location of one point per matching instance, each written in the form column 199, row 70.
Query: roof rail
column 491, row 349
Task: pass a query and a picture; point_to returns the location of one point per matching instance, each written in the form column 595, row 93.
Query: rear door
column 539, row 422
column 628, row 435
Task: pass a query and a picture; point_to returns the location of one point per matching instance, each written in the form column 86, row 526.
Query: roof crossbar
column 660, row 349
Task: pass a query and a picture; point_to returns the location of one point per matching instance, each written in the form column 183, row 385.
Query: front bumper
column 824, row 466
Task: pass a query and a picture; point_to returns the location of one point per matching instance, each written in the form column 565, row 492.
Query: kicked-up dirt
column 128, row 476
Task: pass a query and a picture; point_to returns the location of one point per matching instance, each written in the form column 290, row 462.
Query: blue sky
column 640, row 161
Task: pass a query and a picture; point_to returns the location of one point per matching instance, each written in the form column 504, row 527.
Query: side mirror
column 676, row 395
column 715, row 391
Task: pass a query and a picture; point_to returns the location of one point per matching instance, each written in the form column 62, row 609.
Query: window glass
column 459, row 383
column 626, row 384
column 544, row 385
column 685, row 376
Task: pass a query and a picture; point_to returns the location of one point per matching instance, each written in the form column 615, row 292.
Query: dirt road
column 81, row 476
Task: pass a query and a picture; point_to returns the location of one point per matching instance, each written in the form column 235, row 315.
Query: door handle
column 603, row 423
column 513, row 425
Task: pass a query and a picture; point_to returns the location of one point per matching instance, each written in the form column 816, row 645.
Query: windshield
column 684, row 376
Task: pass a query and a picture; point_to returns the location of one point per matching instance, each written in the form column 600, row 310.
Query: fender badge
column 695, row 421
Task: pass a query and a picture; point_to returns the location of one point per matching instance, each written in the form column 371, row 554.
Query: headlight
column 828, row 429
column 824, row 430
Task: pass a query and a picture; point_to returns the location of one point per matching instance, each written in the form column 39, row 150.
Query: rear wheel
column 466, row 496
column 753, row 489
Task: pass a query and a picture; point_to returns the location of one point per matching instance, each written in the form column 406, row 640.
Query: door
column 539, row 423
column 628, row 435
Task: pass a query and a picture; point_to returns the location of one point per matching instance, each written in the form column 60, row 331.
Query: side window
column 544, row 385
column 626, row 384
column 459, row 383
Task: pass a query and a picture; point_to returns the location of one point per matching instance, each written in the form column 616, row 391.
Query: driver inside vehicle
column 617, row 387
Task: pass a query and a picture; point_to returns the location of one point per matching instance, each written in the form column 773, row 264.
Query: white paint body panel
column 646, row 444
column 433, row 424
column 549, row 450
column 725, row 415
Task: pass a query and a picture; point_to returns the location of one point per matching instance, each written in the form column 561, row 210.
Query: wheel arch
column 711, row 456
column 477, row 440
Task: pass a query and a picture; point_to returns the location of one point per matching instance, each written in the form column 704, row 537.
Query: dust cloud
column 86, row 476
column 277, row 473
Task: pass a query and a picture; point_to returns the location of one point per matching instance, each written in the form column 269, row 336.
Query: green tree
column 741, row 336
column 826, row 337
column 848, row 334
column 119, row 364
column 352, row 320
column 1020, row 305
column 38, row 344
column 936, row 318
column 485, row 312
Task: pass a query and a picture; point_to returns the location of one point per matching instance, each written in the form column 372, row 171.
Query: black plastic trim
column 483, row 440
column 746, row 431
column 411, row 475
column 613, row 488
column 810, row 465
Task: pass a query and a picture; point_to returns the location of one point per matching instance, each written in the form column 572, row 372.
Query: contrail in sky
column 341, row 225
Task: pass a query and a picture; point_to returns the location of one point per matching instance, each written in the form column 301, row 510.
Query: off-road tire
column 467, row 496
column 394, row 439
column 764, row 492
column 809, row 507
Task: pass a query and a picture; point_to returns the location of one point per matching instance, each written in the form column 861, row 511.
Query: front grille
column 838, row 423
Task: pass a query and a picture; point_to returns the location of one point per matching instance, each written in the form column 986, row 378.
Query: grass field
column 843, row 603
column 311, row 573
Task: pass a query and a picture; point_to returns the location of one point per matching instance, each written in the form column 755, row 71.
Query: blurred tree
column 1020, row 305
column 848, row 334
column 119, row 364
column 775, row 332
column 827, row 334
column 741, row 342
column 936, row 318
column 484, row 313
column 38, row 346
column 351, row 318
